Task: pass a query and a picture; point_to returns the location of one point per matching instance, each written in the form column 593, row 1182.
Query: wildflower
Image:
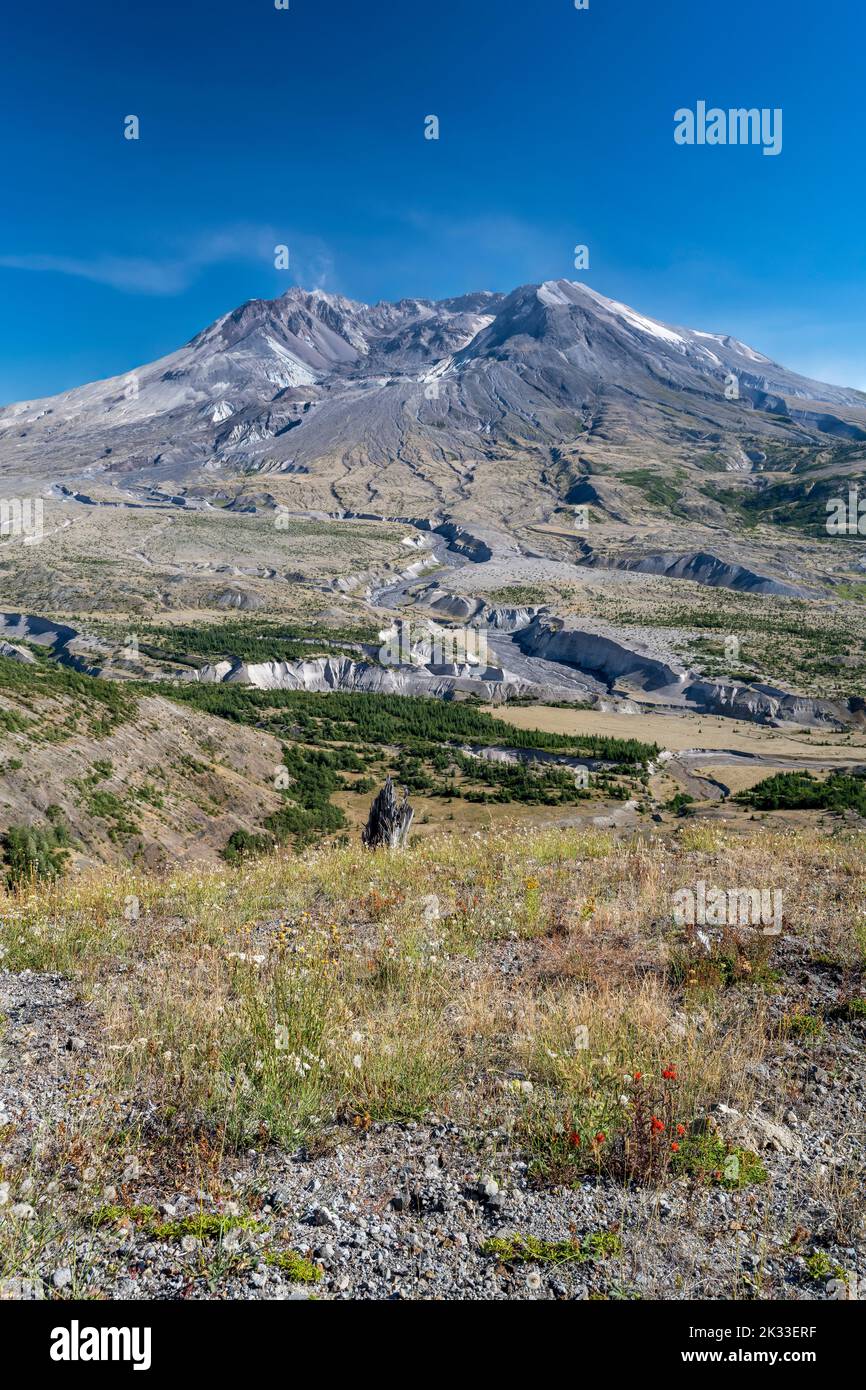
column 681, row 1129
column 637, row 1076
column 600, row 1137
column 675, row 1148
column 670, row 1073
column 657, row 1125
column 574, row 1139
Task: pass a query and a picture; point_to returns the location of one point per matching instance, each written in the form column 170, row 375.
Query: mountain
column 425, row 404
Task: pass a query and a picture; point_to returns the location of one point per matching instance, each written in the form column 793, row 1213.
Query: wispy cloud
column 172, row 273
column 497, row 247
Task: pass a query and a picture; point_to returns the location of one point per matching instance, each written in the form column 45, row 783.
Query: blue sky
column 306, row 127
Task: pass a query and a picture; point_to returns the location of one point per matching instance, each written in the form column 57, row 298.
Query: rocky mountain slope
column 413, row 399
column 313, row 443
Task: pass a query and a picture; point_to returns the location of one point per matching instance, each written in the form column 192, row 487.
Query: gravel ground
column 402, row 1211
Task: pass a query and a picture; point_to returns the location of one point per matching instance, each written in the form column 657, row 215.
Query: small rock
column 321, row 1216
column 4, row 1193
column 62, row 1278
column 755, row 1131
column 430, row 908
column 841, row 1289
column 533, row 1280
column 22, row 1211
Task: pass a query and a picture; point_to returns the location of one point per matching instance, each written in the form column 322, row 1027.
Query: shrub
column 244, row 844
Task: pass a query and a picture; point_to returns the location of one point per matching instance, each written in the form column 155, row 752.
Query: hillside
column 489, row 1067
column 130, row 780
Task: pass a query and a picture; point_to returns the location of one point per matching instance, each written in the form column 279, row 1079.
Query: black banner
column 83, row 1339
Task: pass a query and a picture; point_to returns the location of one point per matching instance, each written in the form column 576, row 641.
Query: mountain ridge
column 405, row 404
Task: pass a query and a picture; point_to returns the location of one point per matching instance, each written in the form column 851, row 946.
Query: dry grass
column 507, row 980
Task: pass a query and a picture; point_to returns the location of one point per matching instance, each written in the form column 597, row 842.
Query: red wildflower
column 638, row 1075
column 670, row 1073
column 574, row 1139
column 600, row 1137
column 675, row 1147
column 681, row 1129
column 657, row 1125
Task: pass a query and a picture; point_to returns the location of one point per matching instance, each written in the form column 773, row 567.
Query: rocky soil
column 404, row 1211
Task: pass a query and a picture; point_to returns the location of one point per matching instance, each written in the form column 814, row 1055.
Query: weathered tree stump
column 389, row 821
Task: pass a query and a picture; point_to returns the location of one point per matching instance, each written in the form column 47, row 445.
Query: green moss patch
column 202, row 1225
column 296, row 1268
column 707, row 1158
column 820, row 1266
column 526, row 1249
